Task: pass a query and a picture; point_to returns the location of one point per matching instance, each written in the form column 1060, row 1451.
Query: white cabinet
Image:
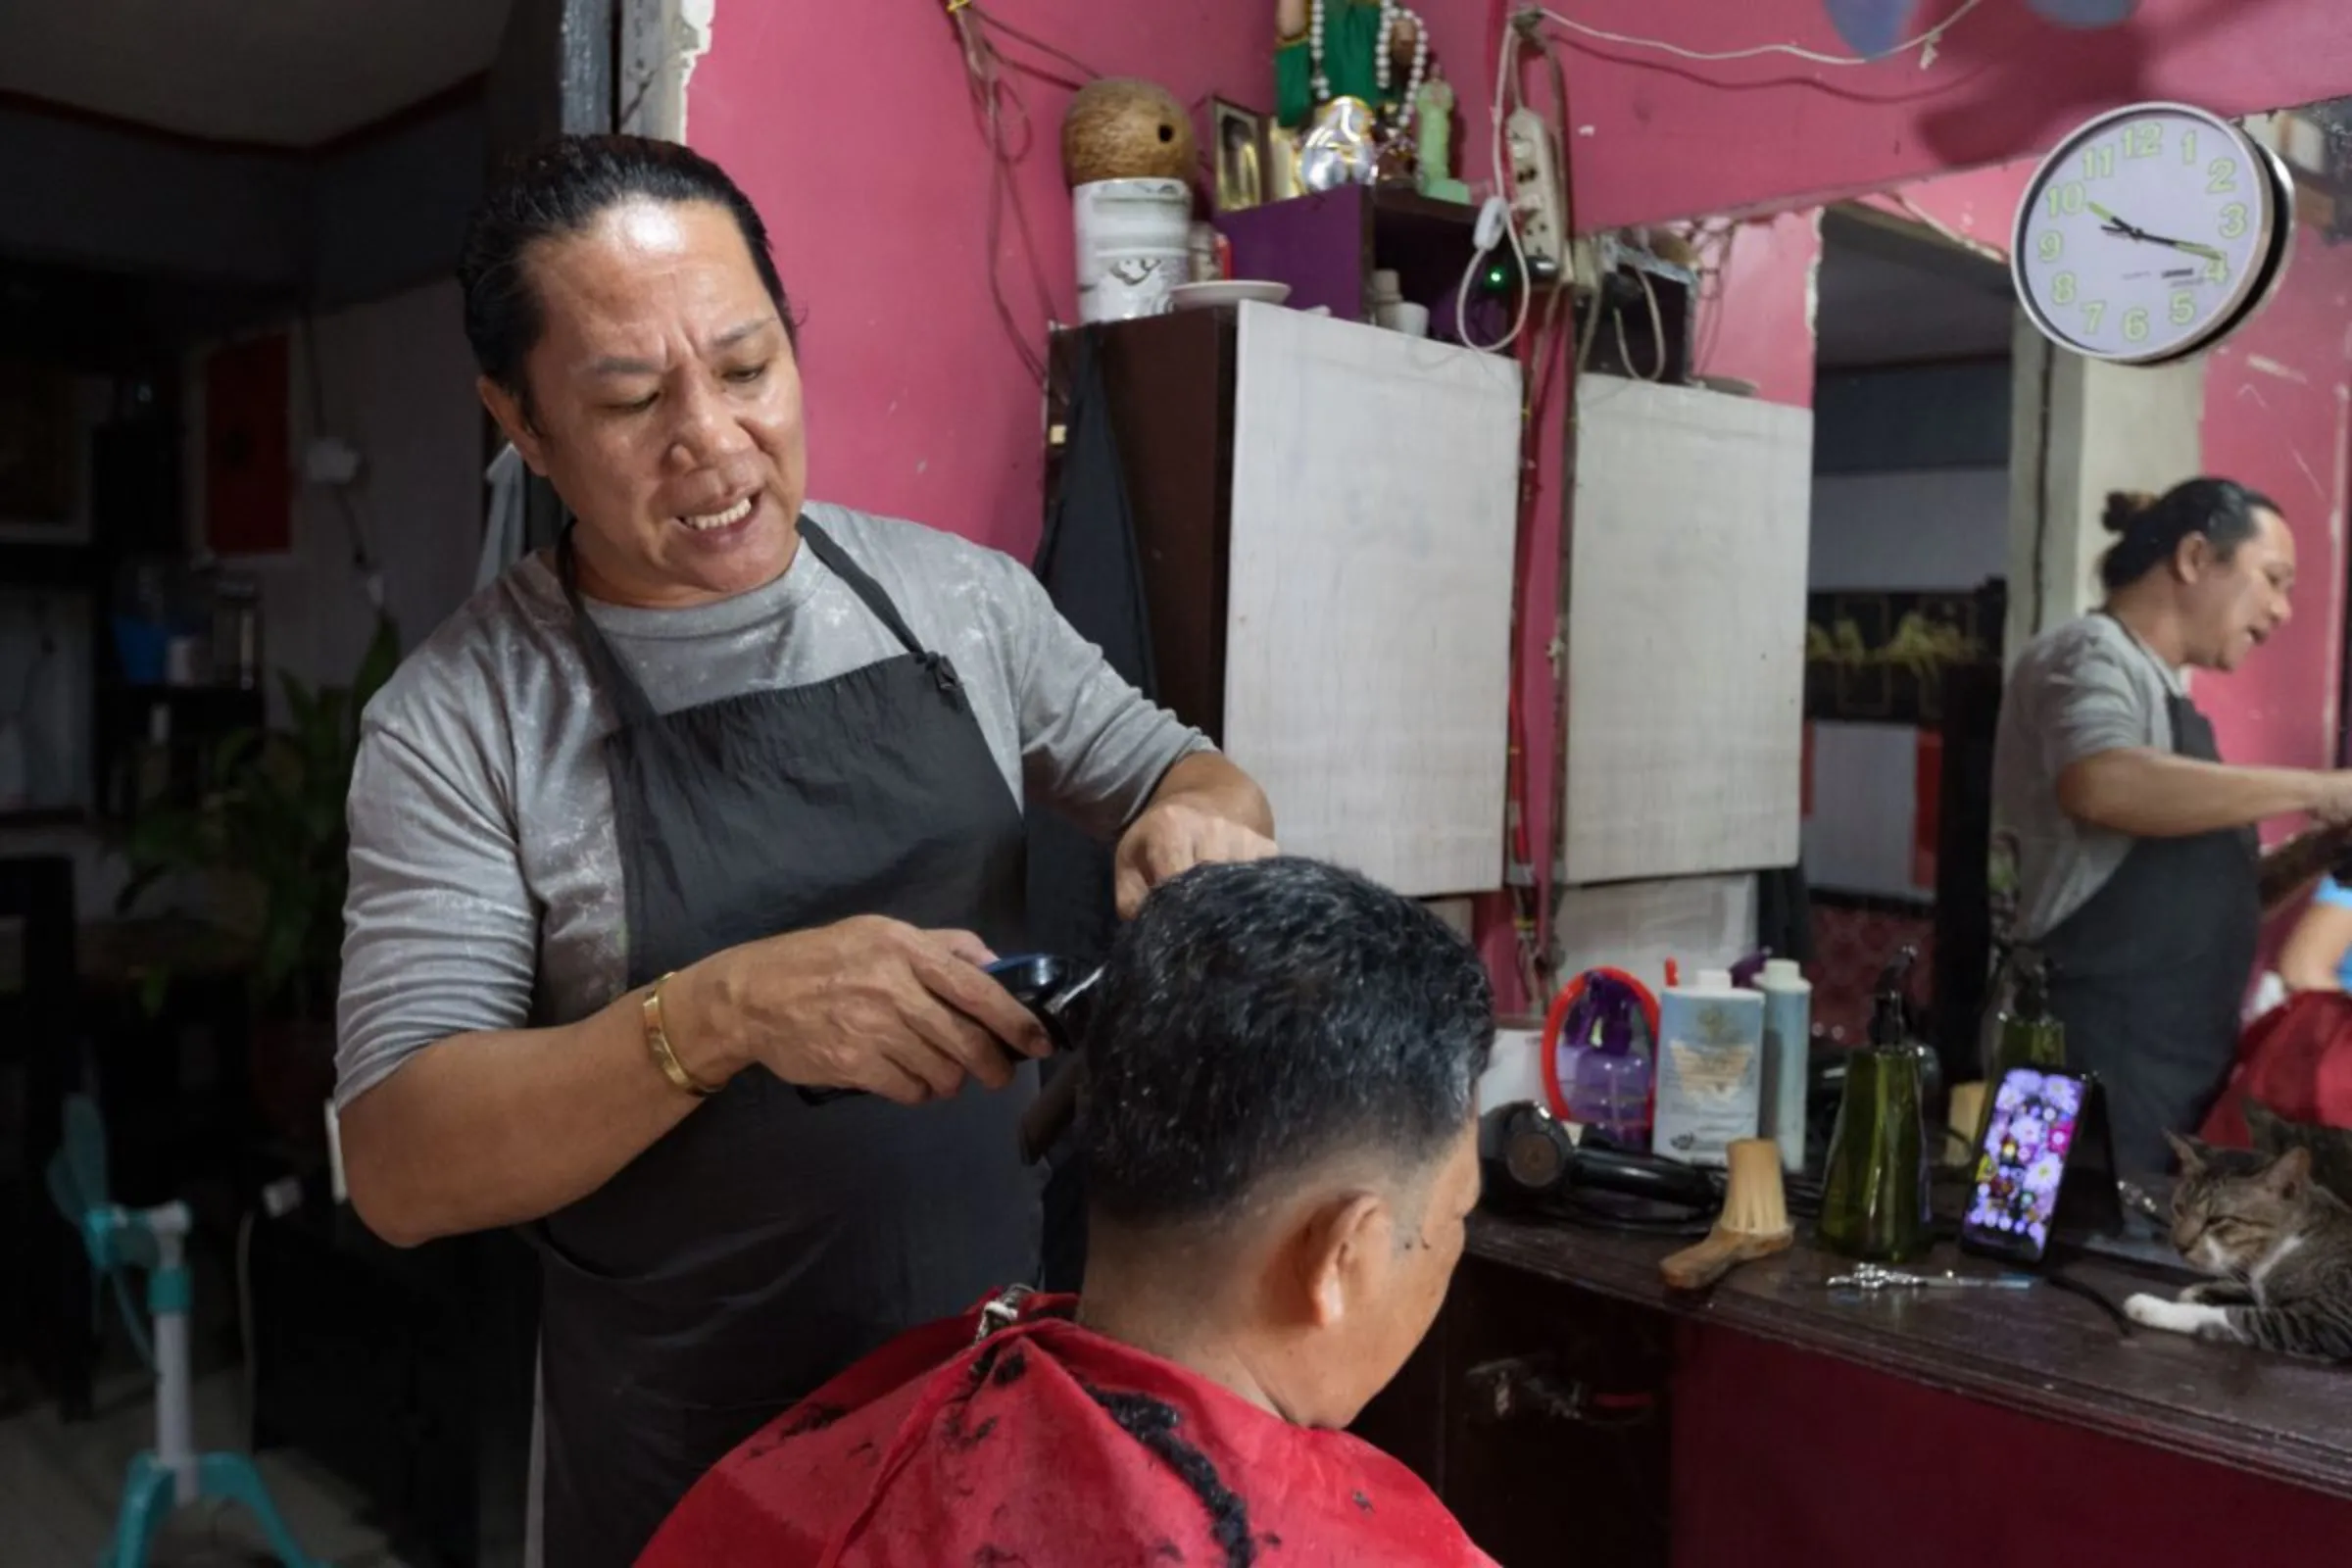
column 1367, row 631
column 1326, row 514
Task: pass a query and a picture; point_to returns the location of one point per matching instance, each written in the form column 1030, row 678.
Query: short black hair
column 1260, row 1019
column 2150, row 528
column 559, row 187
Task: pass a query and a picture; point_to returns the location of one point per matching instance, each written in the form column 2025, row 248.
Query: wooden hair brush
column 1753, row 1222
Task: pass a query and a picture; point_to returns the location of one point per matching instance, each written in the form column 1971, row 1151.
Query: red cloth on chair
column 1050, row 1446
column 2297, row 1060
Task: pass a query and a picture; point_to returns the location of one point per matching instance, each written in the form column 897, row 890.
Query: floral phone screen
column 2023, row 1161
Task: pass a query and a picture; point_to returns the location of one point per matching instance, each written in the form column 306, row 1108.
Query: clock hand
column 2115, row 225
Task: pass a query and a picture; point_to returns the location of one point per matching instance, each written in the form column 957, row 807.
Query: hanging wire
column 1003, row 114
column 1925, row 44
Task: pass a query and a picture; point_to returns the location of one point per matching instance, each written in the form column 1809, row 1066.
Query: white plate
column 1194, row 296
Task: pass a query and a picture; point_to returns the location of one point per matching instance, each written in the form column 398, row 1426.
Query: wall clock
column 2151, row 233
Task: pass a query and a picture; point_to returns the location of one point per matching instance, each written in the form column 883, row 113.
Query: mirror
column 1958, row 464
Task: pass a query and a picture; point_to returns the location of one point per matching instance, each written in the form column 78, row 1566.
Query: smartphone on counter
column 2033, row 1135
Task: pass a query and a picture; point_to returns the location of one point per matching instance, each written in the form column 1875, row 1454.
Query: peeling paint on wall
column 661, row 42
column 2269, row 366
column 1813, row 281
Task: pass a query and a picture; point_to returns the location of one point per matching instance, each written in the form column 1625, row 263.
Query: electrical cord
column 1506, row 80
column 992, row 93
column 1657, row 330
column 1527, row 892
column 2059, row 1280
column 989, row 19
column 1925, row 44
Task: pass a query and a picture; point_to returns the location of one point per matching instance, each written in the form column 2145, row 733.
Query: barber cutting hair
column 715, row 806
column 2135, row 856
column 1281, row 1148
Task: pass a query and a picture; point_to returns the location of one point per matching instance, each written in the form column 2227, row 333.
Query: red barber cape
column 2297, row 1060
column 1045, row 1446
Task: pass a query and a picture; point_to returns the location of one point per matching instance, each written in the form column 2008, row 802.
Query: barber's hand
column 1172, row 839
column 867, row 1004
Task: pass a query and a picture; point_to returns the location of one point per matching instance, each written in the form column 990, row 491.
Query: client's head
column 1280, row 1135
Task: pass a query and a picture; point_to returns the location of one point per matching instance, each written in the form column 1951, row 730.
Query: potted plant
column 267, row 841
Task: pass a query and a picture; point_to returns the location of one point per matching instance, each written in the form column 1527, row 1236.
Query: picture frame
column 1238, row 136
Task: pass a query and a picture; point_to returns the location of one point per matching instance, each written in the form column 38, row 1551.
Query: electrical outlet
column 1536, row 180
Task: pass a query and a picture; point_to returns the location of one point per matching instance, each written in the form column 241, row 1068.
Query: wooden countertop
column 2042, row 1351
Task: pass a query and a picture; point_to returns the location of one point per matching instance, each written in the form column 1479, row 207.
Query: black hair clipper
column 1048, row 986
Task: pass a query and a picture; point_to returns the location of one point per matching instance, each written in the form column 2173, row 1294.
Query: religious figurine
column 1342, row 148
column 1374, row 51
column 1435, row 119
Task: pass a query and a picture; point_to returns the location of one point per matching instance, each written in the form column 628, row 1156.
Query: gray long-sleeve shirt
column 485, row 874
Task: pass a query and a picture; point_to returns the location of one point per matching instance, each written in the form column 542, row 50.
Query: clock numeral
column 2094, row 312
column 2217, row 270
column 2098, row 163
column 2144, row 140
column 2233, row 221
column 2062, row 288
column 2225, row 176
column 2135, row 325
column 2065, row 200
column 2189, row 147
column 2185, row 308
column 2050, row 245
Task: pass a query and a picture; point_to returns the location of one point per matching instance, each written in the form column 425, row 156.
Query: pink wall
column 1755, row 320
column 857, row 141
column 1674, row 138
column 2277, row 397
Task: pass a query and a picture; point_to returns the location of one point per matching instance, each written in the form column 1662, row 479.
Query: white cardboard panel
column 1703, row 922
column 1368, row 658
column 1686, row 575
column 1865, row 810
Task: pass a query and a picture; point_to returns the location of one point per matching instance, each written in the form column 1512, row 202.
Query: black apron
column 1092, row 567
column 769, row 1242
column 2148, row 976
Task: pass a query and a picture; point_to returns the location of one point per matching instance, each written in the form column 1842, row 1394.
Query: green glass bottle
column 2030, row 1034
column 1874, row 1199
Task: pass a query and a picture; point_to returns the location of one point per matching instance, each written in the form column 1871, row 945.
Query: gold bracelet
column 657, row 1041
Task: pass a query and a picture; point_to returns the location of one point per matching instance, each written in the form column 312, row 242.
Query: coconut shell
column 1125, row 128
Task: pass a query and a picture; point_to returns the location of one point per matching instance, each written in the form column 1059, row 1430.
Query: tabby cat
column 2278, row 1245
